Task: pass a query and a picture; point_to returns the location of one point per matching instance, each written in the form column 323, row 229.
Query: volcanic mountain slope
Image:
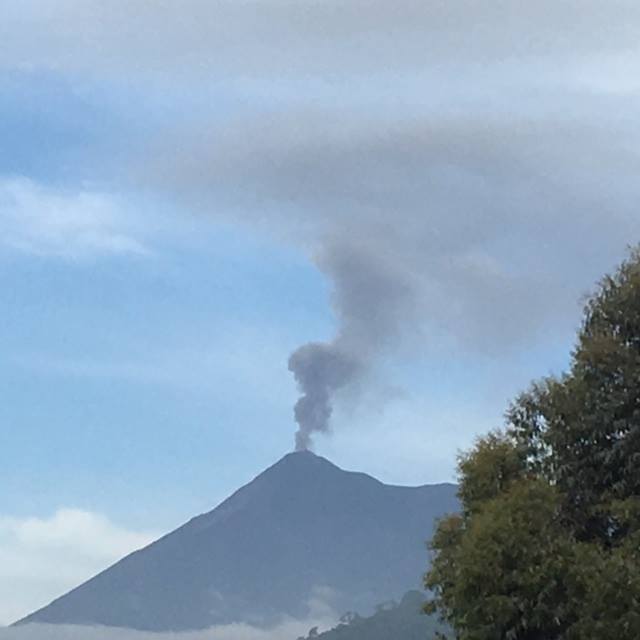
column 302, row 528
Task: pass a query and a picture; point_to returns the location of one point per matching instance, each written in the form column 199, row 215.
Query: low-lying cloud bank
column 289, row 630
column 42, row 558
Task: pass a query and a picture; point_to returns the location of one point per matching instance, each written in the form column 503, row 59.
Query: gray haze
column 367, row 301
column 285, row 631
column 320, row 370
column 470, row 232
column 461, row 172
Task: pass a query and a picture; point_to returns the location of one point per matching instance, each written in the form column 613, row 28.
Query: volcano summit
column 302, row 527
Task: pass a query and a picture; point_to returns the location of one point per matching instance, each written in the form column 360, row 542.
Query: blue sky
column 189, row 194
column 144, row 373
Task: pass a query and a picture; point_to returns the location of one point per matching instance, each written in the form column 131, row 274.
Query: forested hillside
column 394, row 621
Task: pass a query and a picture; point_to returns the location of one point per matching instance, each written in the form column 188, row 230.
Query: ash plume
column 320, row 369
column 437, row 166
column 367, row 298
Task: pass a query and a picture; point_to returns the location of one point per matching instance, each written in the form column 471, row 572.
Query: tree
column 499, row 567
column 548, row 542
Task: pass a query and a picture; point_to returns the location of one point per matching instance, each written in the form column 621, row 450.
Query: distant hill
column 302, row 529
column 397, row 621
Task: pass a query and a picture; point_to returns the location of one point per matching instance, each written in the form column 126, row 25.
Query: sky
column 191, row 192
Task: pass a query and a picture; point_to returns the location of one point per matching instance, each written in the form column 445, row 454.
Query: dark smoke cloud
column 320, row 369
column 368, row 298
column 477, row 233
column 474, row 234
column 461, row 172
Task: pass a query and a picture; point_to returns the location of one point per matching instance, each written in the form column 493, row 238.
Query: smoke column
column 320, row 369
column 367, row 298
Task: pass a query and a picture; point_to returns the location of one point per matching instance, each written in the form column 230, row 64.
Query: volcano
column 301, row 528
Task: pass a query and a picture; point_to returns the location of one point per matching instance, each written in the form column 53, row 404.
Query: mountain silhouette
column 301, row 531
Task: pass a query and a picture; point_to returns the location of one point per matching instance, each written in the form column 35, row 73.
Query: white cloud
column 71, row 224
column 42, row 558
column 288, row 630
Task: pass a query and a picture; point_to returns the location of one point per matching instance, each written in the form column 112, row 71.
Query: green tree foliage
column 548, row 542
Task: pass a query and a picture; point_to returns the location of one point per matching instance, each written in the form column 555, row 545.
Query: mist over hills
column 304, row 536
column 402, row 620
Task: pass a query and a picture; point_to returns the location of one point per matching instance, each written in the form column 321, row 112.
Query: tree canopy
column 547, row 545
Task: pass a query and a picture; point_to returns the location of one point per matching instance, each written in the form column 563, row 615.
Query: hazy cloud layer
column 460, row 171
column 330, row 37
column 42, row 558
column 469, row 229
column 286, row 631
